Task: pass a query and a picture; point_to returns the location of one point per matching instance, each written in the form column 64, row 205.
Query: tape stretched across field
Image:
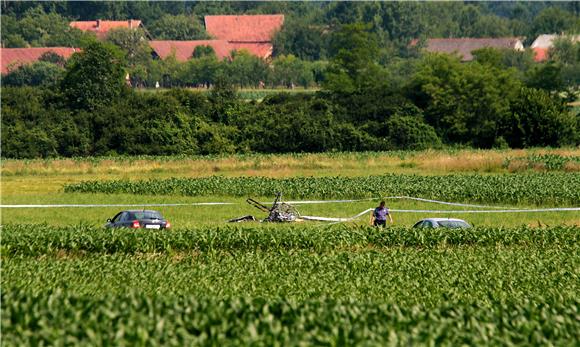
column 490, row 209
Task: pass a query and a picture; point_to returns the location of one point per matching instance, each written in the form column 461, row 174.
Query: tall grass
column 350, row 163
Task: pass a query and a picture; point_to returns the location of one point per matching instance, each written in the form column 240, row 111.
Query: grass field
column 512, row 280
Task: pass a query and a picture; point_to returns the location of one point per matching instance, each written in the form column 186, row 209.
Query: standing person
column 379, row 215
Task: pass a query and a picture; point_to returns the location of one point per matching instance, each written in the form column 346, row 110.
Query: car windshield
column 453, row 224
column 146, row 215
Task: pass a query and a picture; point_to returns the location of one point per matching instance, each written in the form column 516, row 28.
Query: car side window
column 428, row 224
column 117, row 217
column 125, row 216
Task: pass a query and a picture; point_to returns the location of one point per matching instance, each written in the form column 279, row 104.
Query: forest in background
column 376, row 93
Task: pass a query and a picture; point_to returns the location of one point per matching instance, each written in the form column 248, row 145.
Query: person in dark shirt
column 379, row 215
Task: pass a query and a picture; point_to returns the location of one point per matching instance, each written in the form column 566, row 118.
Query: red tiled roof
column 14, row 57
column 184, row 49
column 465, row 46
column 261, row 50
column 102, row 27
column 540, row 54
column 246, row 28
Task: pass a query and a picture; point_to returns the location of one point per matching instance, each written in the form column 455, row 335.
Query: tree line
column 501, row 99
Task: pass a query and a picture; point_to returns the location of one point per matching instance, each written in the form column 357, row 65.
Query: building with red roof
column 12, row 58
column 102, row 27
column 251, row 32
column 542, row 44
column 183, row 50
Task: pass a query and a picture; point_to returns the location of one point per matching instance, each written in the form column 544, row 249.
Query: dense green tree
column 547, row 76
column 40, row 29
column 133, row 42
column 246, row 70
column 554, row 20
column 290, row 71
column 505, row 58
column 566, row 53
column 354, row 79
column 37, row 74
column 178, row 27
column 288, row 123
column 491, row 26
column 94, row 77
column 138, row 54
column 354, row 64
column 224, row 98
column 52, row 57
column 465, row 103
column 403, row 21
column 469, row 15
column 203, row 51
column 539, row 119
column 404, row 132
column 302, row 39
column 203, row 70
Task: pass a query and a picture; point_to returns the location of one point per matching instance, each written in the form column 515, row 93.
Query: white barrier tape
column 331, row 219
column 338, row 219
column 306, row 202
column 560, row 209
column 117, row 205
column 500, row 209
column 445, row 202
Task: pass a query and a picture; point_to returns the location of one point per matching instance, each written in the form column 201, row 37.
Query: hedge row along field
column 545, row 188
column 139, row 320
column 36, row 240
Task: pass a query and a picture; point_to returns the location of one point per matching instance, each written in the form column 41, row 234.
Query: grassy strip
column 556, row 188
column 36, row 240
column 319, row 164
column 137, row 320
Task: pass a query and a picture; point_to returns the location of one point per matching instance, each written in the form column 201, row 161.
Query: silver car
column 442, row 223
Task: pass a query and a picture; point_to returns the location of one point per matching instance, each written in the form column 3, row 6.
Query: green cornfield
column 292, row 285
column 540, row 188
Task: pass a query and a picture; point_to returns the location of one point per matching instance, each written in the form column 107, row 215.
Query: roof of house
column 542, row 44
column 184, row 49
column 14, row 57
column 547, row 41
column 102, row 27
column 262, row 49
column 543, row 41
column 464, row 46
column 245, row 28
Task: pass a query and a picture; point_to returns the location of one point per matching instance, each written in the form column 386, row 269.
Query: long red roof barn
column 102, row 27
column 184, row 49
column 251, row 32
column 14, row 57
column 246, row 28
